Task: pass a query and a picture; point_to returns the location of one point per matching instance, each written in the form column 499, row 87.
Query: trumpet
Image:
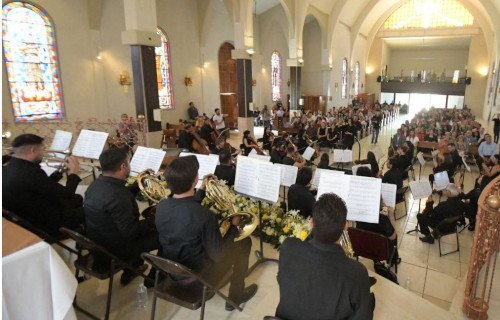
column 58, row 158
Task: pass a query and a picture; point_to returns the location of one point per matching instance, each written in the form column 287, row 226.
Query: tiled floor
column 422, row 270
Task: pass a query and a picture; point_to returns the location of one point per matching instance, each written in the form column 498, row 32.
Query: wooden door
column 228, row 83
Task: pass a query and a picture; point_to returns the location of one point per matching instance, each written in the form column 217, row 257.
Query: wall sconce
column 483, row 71
column 250, row 51
column 330, row 66
column 369, row 70
column 125, row 81
column 188, row 82
column 300, row 60
column 254, row 82
column 336, row 86
column 6, row 135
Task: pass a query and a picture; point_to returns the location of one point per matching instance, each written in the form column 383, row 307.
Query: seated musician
column 278, row 150
column 431, row 217
column 112, row 214
column 299, row 196
column 402, row 160
column 316, row 279
column 189, row 233
column 126, row 130
column 186, row 138
column 267, row 139
column 393, row 175
column 28, row 192
column 225, row 170
column 208, row 133
column 248, row 143
column 293, row 158
column 322, row 135
column 324, row 162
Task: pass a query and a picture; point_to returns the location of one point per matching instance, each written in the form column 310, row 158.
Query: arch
column 164, row 71
column 276, row 76
column 343, row 85
column 228, row 82
column 30, row 55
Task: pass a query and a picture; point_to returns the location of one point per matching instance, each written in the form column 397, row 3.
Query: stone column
column 245, row 96
column 295, row 82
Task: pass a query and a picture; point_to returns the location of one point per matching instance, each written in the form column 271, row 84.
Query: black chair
column 407, row 171
column 88, row 261
column 401, row 197
column 373, row 246
column 192, row 292
column 446, row 227
column 272, row 318
column 12, row 217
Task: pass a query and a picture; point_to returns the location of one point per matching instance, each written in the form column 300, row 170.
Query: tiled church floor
column 434, row 278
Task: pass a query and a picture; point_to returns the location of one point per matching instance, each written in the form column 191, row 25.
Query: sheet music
column 420, row 157
column 420, row 189
column 340, row 155
column 361, row 194
column 61, row 141
column 308, row 153
column 90, row 144
column 288, row 174
column 442, row 180
column 207, row 164
column 356, row 167
column 146, row 158
column 258, row 156
column 257, row 179
column 317, row 175
column 388, row 193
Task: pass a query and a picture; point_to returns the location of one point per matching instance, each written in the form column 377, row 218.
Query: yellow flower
column 286, row 228
column 303, row 235
column 265, row 217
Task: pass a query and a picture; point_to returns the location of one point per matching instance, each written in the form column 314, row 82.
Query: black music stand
column 417, row 230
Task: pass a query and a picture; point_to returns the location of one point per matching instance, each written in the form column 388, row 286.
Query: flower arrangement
column 277, row 225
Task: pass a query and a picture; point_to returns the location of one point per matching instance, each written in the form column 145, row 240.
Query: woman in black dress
column 349, row 132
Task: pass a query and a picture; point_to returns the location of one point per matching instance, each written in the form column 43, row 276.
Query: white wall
column 312, row 77
column 341, row 39
column 427, row 59
column 478, row 59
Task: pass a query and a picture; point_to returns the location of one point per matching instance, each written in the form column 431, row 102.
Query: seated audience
column 225, row 170
column 299, row 196
column 112, row 214
column 432, row 217
column 28, row 192
column 486, row 149
column 189, row 233
column 316, row 279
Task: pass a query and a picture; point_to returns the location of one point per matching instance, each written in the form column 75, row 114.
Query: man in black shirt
column 316, row 279
column 189, row 233
column 206, row 133
column 299, row 196
column 185, row 138
column 376, row 120
column 393, row 175
column 277, row 150
column 192, row 111
column 28, row 192
column 225, row 170
column 112, row 214
column 457, row 159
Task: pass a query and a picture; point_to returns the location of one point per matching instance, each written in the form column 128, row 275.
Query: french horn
column 151, row 186
column 345, row 243
column 223, row 199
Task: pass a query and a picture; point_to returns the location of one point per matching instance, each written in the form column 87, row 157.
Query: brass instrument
column 59, row 163
column 345, row 243
column 151, row 186
column 223, row 199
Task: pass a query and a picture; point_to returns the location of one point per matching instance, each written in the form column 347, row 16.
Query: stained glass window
column 429, row 14
column 356, row 78
column 29, row 48
column 276, row 75
column 344, row 79
column 164, row 72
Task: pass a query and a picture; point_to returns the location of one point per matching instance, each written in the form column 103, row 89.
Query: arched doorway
column 228, row 85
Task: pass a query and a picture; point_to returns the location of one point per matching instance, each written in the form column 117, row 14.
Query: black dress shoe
column 248, row 294
column 127, row 275
column 427, row 239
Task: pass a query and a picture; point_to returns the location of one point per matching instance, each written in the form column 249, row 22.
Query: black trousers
column 426, row 221
column 236, row 258
column 496, row 133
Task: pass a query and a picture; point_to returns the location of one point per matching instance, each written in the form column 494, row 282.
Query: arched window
column 276, row 75
column 344, row 79
column 29, row 48
column 356, row 78
column 164, row 72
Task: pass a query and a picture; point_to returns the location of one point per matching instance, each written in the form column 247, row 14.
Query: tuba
column 345, row 243
column 223, row 199
column 151, row 186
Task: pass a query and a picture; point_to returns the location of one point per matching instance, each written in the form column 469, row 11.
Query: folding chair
column 192, row 292
column 57, row 240
column 446, row 227
column 371, row 245
column 86, row 262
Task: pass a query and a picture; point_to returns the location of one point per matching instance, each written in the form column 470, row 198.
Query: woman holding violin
column 267, row 139
column 248, row 143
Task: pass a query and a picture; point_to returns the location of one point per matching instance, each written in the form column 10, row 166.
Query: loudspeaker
column 468, row 80
column 379, row 79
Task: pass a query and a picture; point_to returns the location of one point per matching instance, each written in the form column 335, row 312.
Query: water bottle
column 142, row 296
column 408, row 283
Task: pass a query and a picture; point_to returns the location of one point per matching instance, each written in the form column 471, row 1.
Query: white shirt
column 413, row 140
column 219, row 121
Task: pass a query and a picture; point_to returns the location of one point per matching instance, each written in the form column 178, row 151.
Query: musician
column 349, row 134
column 192, row 111
column 393, row 175
column 303, row 141
column 324, row 162
column 186, row 138
column 432, row 217
column 267, row 139
column 322, row 135
column 376, row 120
column 316, row 279
column 28, row 192
column 248, row 143
column 112, row 214
column 207, row 133
column 278, row 150
column 218, row 118
column 299, row 196
column 293, row 158
column 225, row 170
column 189, row 233
column 126, row 130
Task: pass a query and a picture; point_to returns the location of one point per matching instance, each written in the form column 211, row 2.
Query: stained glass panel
column 356, row 78
column 30, row 56
column 344, row 79
column 164, row 72
column 276, row 75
